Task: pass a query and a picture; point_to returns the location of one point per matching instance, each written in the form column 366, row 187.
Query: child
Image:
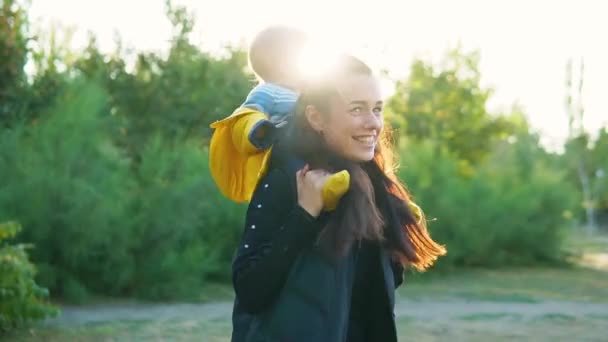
column 241, row 144
column 273, row 56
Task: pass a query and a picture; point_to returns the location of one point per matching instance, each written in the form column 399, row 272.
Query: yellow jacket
column 236, row 165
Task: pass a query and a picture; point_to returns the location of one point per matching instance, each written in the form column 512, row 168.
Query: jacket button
column 253, row 226
column 246, row 246
column 259, row 206
column 265, row 185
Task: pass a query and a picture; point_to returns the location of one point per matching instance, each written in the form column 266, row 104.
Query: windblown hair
column 375, row 206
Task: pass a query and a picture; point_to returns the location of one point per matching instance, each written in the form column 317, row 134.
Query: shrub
column 69, row 187
column 102, row 223
column 496, row 214
column 21, row 299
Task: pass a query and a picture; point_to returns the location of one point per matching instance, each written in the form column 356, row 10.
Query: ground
column 529, row 304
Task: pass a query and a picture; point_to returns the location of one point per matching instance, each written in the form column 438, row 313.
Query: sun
column 316, row 59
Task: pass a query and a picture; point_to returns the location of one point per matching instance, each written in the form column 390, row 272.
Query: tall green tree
column 578, row 146
column 13, row 56
column 176, row 95
column 599, row 155
column 447, row 105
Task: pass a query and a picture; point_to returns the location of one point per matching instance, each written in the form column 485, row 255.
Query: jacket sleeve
column 276, row 230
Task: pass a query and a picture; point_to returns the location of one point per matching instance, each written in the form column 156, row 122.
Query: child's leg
column 242, row 129
column 262, row 134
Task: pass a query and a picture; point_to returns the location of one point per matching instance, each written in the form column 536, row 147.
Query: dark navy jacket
column 286, row 289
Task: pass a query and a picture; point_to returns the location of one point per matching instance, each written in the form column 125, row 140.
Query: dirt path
column 598, row 261
column 427, row 309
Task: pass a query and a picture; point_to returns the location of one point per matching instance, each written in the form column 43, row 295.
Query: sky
column 524, row 45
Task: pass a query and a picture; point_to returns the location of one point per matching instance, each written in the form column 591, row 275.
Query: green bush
column 505, row 212
column 157, row 228
column 21, row 299
column 69, row 187
column 182, row 230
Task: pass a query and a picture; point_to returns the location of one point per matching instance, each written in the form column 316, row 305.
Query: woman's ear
column 314, row 118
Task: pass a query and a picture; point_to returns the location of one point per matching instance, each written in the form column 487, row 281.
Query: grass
column 164, row 330
column 517, row 285
column 511, row 285
column 485, row 316
column 211, row 292
column 497, row 327
column 501, row 287
column 503, row 328
column 581, row 243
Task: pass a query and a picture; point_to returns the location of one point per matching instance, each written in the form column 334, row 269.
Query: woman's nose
column 373, row 121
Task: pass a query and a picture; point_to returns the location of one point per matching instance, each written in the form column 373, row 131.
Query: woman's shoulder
column 279, row 179
column 285, row 160
column 275, row 178
column 277, row 184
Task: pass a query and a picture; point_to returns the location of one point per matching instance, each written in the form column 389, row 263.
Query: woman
column 301, row 274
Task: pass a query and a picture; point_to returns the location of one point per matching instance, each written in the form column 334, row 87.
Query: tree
column 176, row 96
column 578, row 145
column 446, row 104
column 599, row 158
column 13, row 55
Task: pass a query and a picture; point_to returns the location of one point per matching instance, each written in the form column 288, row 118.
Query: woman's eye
column 356, row 110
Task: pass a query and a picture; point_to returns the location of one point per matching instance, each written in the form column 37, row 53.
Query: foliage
column 599, row 158
column 583, row 156
column 176, row 96
column 183, row 231
column 13, row 54
column 101, row 226
column 494, row 192
column 508, row 212
column 21, row 299
column 447, row 105
column 67, row 184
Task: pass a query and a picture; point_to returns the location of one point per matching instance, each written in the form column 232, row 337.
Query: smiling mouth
column 368, row 140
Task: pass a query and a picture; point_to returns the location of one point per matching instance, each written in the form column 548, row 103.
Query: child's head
column 274, row 54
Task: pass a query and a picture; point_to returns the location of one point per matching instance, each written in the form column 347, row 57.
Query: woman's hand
column 310, row 183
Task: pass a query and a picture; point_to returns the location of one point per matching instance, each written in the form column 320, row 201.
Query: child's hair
column 273, row 52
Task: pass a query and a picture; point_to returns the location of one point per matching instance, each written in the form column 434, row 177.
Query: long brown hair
column 375, row 206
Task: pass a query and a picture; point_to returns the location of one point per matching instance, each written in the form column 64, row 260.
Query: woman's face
column 353, row 125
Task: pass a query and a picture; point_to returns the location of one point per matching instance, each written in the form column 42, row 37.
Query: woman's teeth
column 368, row 140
